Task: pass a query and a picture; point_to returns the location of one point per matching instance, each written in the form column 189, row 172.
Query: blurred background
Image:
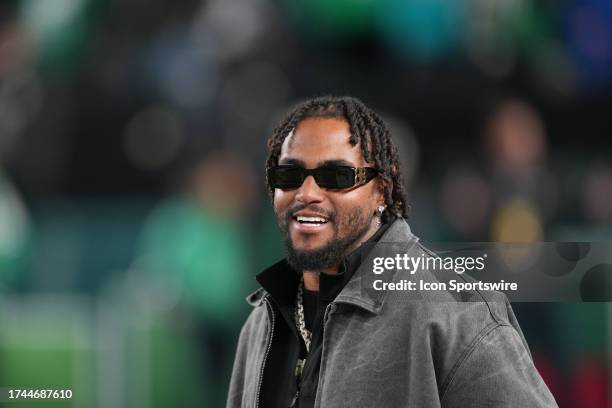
column 133, row 213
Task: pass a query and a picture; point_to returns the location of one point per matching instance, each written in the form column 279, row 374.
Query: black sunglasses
column 333, row 177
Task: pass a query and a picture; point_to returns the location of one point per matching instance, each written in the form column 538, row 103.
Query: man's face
column 349, row 213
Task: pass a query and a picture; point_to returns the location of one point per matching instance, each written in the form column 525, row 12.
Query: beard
column 332, row 253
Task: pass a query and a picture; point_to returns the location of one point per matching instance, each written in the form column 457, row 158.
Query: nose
column 309, row 191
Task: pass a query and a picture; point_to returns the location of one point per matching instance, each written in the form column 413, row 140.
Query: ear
column 385, row 182
column 380, row 191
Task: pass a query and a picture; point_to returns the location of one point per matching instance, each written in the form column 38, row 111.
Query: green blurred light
column 531, row 25
column 421, row 30
column 207, row 254
column 332, row 19
column 15, row 234
column 59, row 30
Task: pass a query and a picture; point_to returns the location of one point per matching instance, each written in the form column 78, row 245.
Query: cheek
column 366, row 198
column 377, row 193
column 353, row 212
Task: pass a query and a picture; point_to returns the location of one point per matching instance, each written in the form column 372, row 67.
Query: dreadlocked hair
column 367, row 129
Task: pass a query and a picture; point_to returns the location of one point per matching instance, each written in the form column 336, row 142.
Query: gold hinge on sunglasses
column 360, row 176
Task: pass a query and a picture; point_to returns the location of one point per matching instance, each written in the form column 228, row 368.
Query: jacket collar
column 256, row 298
column 397, row 239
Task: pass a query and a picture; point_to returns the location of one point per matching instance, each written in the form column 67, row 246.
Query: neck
column 311, row 278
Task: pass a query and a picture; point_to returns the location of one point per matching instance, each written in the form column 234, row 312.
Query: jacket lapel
column 358, row 291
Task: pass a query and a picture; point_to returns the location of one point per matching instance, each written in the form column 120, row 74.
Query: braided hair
column 367, row 129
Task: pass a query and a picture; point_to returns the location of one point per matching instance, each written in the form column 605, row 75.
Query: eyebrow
column 334, row 162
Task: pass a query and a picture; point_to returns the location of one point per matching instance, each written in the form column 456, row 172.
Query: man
column 318, row 336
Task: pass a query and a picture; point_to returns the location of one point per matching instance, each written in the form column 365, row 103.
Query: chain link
column 300, row 320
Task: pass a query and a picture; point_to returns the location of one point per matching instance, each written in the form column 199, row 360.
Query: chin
column 309, row 247
column 309, row 243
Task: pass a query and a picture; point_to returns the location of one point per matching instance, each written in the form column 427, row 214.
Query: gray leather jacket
column 404, row 349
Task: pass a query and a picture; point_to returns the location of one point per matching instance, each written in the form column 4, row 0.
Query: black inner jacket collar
column 281, row 280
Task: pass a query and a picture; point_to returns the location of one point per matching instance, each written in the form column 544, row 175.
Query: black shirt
column 280, row 384
column 311, row 307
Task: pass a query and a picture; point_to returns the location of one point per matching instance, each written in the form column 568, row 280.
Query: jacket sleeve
column 497, row 371
column 249, row 360
column 238, row 380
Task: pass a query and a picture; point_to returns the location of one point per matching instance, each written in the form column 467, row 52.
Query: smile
column 309, row 224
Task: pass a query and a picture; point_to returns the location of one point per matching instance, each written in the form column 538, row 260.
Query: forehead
column 318, row 140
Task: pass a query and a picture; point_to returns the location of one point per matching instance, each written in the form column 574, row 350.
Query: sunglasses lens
column 335, row 177
column 285, row 177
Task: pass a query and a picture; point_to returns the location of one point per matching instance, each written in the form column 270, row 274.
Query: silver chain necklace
column 300, row 320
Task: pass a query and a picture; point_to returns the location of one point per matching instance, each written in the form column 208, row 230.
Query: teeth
column 311, row 219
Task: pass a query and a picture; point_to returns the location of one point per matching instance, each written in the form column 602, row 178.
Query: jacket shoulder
column 256, row 298
column 491, row 305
